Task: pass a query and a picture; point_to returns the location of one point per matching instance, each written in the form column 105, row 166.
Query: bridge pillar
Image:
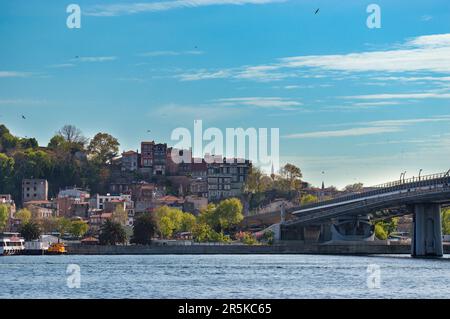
column 427, row 231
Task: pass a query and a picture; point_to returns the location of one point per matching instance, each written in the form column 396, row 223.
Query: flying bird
column 23, row 117
column 317, row 11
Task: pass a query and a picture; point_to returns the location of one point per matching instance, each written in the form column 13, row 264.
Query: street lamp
column 420, row 171
column 404, row 174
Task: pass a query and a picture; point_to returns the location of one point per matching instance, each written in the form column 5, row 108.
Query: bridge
column 350, row 216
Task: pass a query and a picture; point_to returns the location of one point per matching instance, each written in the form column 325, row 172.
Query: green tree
column 112, row 233
column 308, row 199
column 384, row 228
column 103, row 148
column 24, row 215
column 143, row 229
column 188, row 222
column 380, row 232
column 120, row 215
column 4, row 217
column 227, row 214
column 293, row 175
column 6, row 173
column 202, row 232
column 223, row 216
column 78, row 228
column 30, row 231
column 63, row 225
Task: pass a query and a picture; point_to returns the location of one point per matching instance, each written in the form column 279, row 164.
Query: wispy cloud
column 170, row 53
column 389, row 96
column 356, row 131
column 262, row 102
column 429, row 53
column 14, row 74
column 369, row 128
column 94, row 59
column 118, row 9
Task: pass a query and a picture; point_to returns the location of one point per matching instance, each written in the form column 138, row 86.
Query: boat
column 56, row 249
column 39, row 246
column 11, row 244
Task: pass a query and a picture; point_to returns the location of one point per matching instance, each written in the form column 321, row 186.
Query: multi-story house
column 98, row 201
column 34, row 190
column 130, row 161
column 147, row 156
column 227, row 178
column 159, row 159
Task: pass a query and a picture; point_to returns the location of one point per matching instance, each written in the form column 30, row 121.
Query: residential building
column 199, row 186
column 159, row 159
column 98, row 201
column 34, row 190
column 41, row 209
column 227, row 178
column 130, row 161
column 147, row 156
column 194, row 204
column 75, row 193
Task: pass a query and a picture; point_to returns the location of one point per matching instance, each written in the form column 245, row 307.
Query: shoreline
column 309, row 249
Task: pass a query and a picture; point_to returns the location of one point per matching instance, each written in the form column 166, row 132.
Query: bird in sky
column 317, row 11
column 148, row 131
column 23, row 117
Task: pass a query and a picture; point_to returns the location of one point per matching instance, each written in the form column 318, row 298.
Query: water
column 224, row 276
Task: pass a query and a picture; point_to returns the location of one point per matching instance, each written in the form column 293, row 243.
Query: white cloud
column 140, row 7
column 429, row 53
column 356, row 131
column 386, row 96
column 262, row 102
column 369, row 128
column 14, row 74
column 377, row 103
column 95, row 59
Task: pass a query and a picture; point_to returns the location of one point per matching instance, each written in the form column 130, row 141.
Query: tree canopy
column 144, row 229
column 67, row 160
column 112, row 233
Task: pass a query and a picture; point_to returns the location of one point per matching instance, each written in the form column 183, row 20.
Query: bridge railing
column 422, row 181
column 360, row 205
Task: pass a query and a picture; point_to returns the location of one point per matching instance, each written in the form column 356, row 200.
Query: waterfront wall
column 331, row 249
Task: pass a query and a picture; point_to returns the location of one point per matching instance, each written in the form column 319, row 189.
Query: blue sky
column 358, row 104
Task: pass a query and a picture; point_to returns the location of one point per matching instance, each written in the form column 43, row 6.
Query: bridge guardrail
column 423, row 181
column 342, row 209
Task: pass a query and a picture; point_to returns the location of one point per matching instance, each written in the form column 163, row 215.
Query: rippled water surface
column 224, row 276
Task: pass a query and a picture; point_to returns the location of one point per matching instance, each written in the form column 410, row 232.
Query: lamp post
column 420, row 171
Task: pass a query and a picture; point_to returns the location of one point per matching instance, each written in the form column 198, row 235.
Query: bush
column 380, row 232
